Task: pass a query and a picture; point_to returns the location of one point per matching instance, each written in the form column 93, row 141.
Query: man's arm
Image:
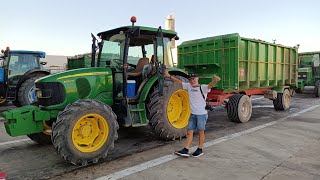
column 174, row 79
column 214, row 82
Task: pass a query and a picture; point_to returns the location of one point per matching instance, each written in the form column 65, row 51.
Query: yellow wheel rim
column 178, row 109
column 2, row 101
column 90, row 133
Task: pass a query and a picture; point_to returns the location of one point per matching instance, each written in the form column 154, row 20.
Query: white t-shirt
column 197, row 102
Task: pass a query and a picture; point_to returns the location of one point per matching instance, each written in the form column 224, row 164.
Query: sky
column 63, row 27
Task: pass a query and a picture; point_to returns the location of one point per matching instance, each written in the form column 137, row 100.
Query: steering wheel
column 117, row 61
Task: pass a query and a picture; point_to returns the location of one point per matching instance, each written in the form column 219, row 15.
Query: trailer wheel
column 169, row 114
column 239, row 108
column 317, row 89
column 84, row 132
column 283, row 100
column 26, row 94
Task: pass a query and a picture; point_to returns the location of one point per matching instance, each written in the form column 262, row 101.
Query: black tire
column 16, row 103
column 41, row 138
column 3, row 102
column 64, row 131
column 25, row 96
column 317, row 89
column 299, row 90
column 283, row 101
column 160, row 110
column 239, row 108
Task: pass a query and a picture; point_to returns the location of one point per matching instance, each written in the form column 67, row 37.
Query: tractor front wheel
column 26, row 94
column 169, row 114
column 41, row 138
column 84, row 132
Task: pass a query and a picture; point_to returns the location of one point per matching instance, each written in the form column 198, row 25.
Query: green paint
column 242, row 63
column 309, row 73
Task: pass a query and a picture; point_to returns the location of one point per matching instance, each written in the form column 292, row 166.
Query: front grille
column 52, row 93
column 302, row 75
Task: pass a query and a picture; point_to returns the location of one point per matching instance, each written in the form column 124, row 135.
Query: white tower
column 170, row 25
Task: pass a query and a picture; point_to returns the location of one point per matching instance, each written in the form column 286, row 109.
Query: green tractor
column 309, row 72
column 79, row 111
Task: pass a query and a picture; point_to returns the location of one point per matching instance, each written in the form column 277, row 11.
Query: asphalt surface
column 27, row 160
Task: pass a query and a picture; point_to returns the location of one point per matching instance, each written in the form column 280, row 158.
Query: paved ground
column 272, row 145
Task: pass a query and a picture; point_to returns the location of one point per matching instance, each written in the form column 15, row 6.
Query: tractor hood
column 57, row 90
column 76, row 73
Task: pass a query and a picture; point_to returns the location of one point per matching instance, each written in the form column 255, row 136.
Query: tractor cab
column 19, row 63
column 134, row 53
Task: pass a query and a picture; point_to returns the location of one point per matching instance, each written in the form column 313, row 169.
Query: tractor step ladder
column 136, row 116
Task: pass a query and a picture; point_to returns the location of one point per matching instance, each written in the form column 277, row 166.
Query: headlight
column 38, row 93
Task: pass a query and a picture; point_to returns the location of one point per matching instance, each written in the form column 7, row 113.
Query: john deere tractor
column 309, row 72
column 19, row 69
column 80, row 110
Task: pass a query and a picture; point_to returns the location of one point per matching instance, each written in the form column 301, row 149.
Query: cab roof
column 143, row 30
column 39, row 53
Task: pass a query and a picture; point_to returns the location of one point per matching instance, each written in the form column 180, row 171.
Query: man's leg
column 189, row 138
column 192, row 125
column 201, row 125
column 201, row 138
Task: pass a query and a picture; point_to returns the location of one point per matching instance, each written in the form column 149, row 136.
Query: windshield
column 19, row 64
column 112, row 51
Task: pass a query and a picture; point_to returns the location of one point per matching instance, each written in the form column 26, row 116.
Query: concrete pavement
column 286, row 150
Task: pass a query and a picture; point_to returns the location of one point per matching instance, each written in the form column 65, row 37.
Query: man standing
column 199, row 115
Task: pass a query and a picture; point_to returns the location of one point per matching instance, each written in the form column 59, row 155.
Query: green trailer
column 79, row 61
column 246, row 67
column 309, row 72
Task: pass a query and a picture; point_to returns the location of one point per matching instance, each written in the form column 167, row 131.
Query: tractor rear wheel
column 84, row 132
column 239, row 108
column 26, row 94
column 283, row 100
column 317, row 89
column 169, row 114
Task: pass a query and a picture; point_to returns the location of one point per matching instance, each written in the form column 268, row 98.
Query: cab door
column 159, row 58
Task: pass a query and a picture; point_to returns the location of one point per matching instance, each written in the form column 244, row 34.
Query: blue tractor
column 19, row 69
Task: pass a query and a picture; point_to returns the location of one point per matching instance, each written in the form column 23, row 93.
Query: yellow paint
column 83, row 74
column 90, row 133
column 178, row 109
column 68, row 81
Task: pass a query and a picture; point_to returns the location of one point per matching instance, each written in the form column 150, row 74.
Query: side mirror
column 43, row 63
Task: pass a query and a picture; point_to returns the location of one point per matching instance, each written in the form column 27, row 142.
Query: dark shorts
column 197, row 122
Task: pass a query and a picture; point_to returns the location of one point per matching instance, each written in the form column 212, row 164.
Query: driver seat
column 142, row 61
